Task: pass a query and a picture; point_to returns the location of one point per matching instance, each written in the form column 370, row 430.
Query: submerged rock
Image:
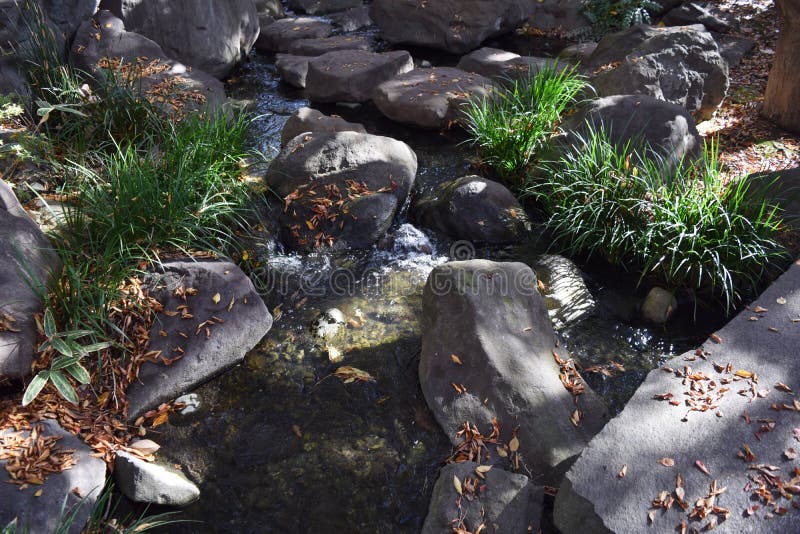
column 492, row 318
column 204, row 34
column 311, row 120
column 352, row 75
column 565, row 293
column 456, row 26
column 474, row 209
column 358, row 181
column 328, row 324
column 429, row 98
column 211, row 291
column 142, row 481
column 714, row 433
column 507, row 501
column 659, row 305
column 74, row 491
column 28, row 263
column 680, row 64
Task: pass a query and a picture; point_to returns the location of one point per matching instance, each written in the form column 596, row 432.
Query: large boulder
column 504, row 502
column 341, row 189
column 485, row 328
column 311, row 120
column 472, row 208
column 679, row 64
column 74, row 491
column 211, row 317
column 565, row 293
column 147, row 482
column 705, row 13
column 502, row 66
column 352, row 75
column 565, row 16
column 429, row 98
column 279, row 36
column 321, row 7
column 69, row 14
column 352, row 20
column 455, row 26
column 27, row 265
column 103, row 43
column 12, row 77
column 204, row 34
column 723, row 416
column 647, row 123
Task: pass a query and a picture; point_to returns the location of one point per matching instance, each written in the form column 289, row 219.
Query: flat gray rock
column 705, row 13
column 323, row 45
column 740, row 411
column 279, row 36
column 504, row 502
column 321, row 7
column 491, row 316
column 76, row 489
column 311, row 120
column 352, row 20
column 352, row 75
column 148, row 482
column 502, row 66
column 429, row 98
column 292, row 69
column 27, row 261
column 223, row 292
column 565, row 16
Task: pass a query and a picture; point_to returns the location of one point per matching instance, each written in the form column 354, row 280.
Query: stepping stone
column 352, row 75
column 352, row 20
column 502, row 66
column 429, row 98
column 311, row 120
column 317, row 47
column 278, row 36
column 321, row 7
column 292, row 69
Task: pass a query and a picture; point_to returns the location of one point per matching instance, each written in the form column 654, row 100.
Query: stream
column 279, row 444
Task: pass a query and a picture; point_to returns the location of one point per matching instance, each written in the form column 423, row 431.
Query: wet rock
column 311, row 120
column 502, row 66
column 456, row 26
column 323, row 45
column 594, row 499
column 429, row 98
column 272, row 8
column 147, row 482
column 563, row 15
column 491, row 316
column 204, row 34
column 565, row 293
column 223, row 292
column 646, row 122
column 27, row 266
column 74, row 490
column 351, row 75
column 510, row 501
column 352, row 20
column 409, row 240
column 361, row 179
column 292, row 69
column 681, row 65
column 472, row 208
column 321, row 7
column 193, row 89
column 659, row 305
column 705, row 13
column 278, row 36
column 327, row 325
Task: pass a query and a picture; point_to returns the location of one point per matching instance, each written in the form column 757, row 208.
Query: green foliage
column 69, row 353
column 684, row 226
column 608, row 16
column 10, row 108
column 510, row 125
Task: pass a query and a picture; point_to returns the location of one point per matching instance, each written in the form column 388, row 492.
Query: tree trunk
column 782, row 101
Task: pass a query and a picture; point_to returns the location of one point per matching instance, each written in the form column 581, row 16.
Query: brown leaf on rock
column 702, row 467
column 623, row 471
column 667, row 462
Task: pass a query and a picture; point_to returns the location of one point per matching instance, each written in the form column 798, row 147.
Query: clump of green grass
column 682, row 225
column 511, row 124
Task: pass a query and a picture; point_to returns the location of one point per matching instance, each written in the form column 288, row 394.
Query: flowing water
column 282, row 445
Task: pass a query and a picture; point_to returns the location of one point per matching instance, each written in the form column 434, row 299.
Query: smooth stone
column 148, row 482
column 659, row 305
column 323, row 45
column 352, row 75
column 292, row 69
column 310, row 120
column 279, row 36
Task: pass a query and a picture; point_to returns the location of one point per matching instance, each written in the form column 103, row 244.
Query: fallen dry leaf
column 667, row 462
column 456, row 359
column 623, row 471
column 702, row 467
